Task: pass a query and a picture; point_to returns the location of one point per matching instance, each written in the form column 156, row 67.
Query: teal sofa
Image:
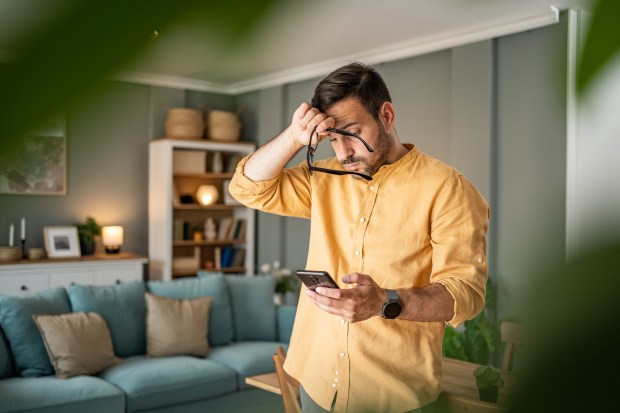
column 245, row 329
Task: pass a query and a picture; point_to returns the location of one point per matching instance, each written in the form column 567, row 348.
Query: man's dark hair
column 357, row 81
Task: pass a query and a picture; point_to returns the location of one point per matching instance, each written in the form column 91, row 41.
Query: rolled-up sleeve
column 287, row 194
column 460, row 221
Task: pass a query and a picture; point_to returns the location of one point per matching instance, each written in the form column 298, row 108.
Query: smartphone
column 313, row 279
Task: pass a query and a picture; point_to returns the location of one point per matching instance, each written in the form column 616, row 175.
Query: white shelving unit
column 166, row 187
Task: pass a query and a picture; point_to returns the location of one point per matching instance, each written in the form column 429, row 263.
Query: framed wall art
column 61, row 242
column 37, row 163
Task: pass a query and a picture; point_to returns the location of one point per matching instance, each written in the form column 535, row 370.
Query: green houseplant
column 479, row 340
column 87, row 231
column 488, row 381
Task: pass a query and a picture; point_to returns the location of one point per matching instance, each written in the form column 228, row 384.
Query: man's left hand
column 364, row 298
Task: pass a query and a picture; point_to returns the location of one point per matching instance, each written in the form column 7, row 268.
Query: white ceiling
column 304, row 39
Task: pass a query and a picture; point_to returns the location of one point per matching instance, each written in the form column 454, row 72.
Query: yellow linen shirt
column 417, row 222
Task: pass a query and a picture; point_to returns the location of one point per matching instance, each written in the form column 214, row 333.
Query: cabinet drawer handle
column 24, row 288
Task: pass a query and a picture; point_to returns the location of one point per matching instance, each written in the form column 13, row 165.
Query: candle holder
column 24, row 255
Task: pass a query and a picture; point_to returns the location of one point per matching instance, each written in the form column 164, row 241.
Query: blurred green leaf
column 602, row 42
column 67, row 58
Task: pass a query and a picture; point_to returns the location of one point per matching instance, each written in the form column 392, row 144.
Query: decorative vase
column 87, row 247
column 488, row 395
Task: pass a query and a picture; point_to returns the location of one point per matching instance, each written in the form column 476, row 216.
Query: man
column 401, row 233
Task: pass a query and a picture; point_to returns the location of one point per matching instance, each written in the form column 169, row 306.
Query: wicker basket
column 223, row 126
column 184, row 123
column 10, row 254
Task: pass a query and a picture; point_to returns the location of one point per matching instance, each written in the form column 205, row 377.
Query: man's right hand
column 269, row 160
column 305, row 119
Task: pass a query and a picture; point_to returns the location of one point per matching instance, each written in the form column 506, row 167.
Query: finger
column 316, row 121
column 301, row 110
column 357, row 278
column 328, row 122
column 307, row 117
column 335, row 293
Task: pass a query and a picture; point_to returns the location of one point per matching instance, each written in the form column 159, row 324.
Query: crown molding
column 393, row 52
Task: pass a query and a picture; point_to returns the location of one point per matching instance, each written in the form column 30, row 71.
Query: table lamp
column 112, row 238
column 207, row 195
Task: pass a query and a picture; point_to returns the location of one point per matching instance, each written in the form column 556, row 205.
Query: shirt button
column 334, row 385
column 336, row 372
column 341, row 354
column 342, row 321
column 362, row 219
column 335, row 379
column 357, row 252
column 372, row 187
column 479, row 260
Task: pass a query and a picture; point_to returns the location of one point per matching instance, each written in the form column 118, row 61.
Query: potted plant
column 488, row 381
column 87, row 231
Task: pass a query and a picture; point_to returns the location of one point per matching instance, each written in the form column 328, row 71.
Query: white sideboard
column 26, row 276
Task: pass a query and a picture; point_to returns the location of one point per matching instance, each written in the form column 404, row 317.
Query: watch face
column 391, row 310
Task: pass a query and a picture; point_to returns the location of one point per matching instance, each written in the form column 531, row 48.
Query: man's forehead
column 347, row 113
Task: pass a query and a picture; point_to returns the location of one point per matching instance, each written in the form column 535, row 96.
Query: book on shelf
column 232, row 257
column 225, row 228
column 239, row 230
column 217, row 257
column 189, row 161
column 178, row 230
column 239, row 258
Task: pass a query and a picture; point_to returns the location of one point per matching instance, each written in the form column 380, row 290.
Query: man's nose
column 344, row 149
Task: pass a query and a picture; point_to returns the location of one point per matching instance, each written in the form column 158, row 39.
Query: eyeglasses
column 312, row 149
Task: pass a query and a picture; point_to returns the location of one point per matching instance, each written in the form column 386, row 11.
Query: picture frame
column 61, row 242
column 37, row 165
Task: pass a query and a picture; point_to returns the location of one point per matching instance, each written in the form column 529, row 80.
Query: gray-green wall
column 494, row 109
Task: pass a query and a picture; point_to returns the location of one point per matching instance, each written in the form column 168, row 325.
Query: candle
column 11, row 229
column 23, row 228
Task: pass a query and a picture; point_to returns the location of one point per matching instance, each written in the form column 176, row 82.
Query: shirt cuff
column 467, row 302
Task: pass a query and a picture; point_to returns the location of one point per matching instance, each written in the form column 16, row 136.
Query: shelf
column 192, row 243
column 190, row 273
column 206, row 175
column 197, row 207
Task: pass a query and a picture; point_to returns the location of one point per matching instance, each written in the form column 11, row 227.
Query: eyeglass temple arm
column 354, row 135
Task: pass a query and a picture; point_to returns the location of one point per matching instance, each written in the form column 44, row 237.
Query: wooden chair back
column 289, row 387
column 514, row 336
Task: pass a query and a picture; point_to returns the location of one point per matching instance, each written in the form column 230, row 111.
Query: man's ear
column 387, row 115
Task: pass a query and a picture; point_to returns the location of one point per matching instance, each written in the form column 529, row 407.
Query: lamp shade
column 112, row 238
column 207, row 194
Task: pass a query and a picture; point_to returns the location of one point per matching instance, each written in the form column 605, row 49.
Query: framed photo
column 61, row 242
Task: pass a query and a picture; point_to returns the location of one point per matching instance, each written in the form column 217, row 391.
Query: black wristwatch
column 391, row 308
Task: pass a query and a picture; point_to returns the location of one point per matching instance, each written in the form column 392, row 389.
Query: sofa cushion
column 51, row 395
column 6, row 359
column 247, row 358
column 123, row 309
column 150, row 383
column 285, row 315
column 77, row 343
column 177, row 327
column 220, row 316
column 30, row 356
column 254, row 312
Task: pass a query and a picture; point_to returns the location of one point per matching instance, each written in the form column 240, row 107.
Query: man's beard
column 382, row 149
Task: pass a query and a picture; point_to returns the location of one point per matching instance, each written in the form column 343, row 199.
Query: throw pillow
column 122, row 308
column 254, row 313
column 207, row 285
column 77, row 343
column 177, row 327
column 6, row 362
column 29, row 354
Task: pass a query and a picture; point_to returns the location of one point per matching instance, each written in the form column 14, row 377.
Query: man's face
column 351, row 116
